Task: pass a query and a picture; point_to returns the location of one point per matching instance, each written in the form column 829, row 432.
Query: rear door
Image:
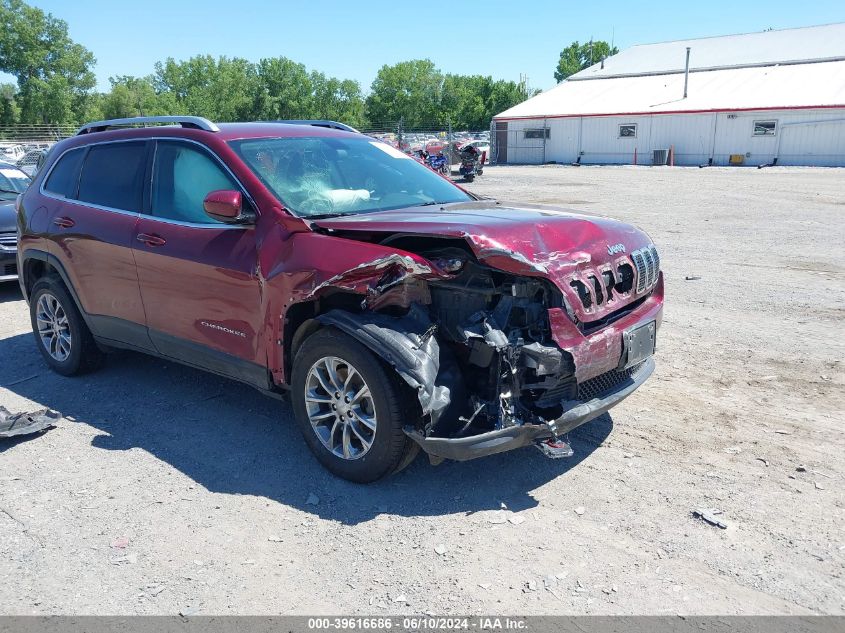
column 198, row 276
column 94, row 198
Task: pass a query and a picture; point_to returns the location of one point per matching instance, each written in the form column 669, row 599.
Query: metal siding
column 691, row 136
column 562, row 145
column 821, row 143
column 694, row 138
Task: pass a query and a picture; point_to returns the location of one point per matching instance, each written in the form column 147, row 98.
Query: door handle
column 64, row 222
column 151, row 240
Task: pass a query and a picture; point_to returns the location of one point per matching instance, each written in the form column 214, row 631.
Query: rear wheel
column 61, row 334
column 350, row 409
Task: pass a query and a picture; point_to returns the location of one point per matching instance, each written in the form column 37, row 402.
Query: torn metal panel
column 16, row 424
column 374, row 277
column 407, row 343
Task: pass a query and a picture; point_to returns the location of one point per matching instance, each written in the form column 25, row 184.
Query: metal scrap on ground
column 14, row 424
column 709, row 516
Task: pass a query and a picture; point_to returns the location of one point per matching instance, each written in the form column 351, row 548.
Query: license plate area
column 638, row 344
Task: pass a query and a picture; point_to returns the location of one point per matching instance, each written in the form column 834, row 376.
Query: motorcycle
column 471, row 164
column 439, row 163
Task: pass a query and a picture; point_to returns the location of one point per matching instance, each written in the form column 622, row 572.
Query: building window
column 765, row 128
column 628, row 130
column 539, row 133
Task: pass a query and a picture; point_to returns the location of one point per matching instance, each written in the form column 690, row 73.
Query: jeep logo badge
column 616, row 248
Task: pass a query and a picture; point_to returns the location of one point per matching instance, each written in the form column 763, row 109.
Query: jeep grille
column 595, row 288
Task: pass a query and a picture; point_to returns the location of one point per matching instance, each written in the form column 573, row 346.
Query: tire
column 386, row 408
column 74, row 350
column 469, row 177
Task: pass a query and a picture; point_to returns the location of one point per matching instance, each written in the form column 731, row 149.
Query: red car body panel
column 97, row 251
column 599, row 352
column 201, row 285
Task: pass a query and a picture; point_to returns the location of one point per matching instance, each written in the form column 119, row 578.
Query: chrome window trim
column 82, row 203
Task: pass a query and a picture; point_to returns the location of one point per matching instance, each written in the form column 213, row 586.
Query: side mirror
column 226, row 205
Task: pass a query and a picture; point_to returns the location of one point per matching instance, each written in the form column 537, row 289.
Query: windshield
column 327, row 176
column 12, row 182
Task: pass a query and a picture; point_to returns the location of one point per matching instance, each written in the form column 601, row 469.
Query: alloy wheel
column 53, row 327
column 340, row 407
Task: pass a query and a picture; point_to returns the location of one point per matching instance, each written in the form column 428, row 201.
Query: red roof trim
column 714, row 111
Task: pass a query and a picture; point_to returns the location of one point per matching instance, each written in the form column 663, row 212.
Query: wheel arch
column 38, row 264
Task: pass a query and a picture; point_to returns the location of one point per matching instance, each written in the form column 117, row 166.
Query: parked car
column 11, row 152
column 30, row 162
column 12, row 183
column 399, row 311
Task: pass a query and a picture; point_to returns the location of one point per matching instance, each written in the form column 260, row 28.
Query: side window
column 183, row 176
column 62, row 180
column 112, row 175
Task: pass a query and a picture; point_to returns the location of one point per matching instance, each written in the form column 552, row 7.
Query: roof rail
column 195, row 122
column 334, row 125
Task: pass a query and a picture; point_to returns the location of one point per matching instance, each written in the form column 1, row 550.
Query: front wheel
column 350, row 409
column 469, row 177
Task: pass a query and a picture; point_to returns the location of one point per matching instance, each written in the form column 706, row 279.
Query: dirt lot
column 225, row 510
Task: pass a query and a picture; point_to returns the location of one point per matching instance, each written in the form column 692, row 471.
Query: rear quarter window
column 64, row 176
column 112, row 175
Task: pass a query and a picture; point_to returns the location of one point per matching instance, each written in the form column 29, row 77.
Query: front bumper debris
column 517, row 436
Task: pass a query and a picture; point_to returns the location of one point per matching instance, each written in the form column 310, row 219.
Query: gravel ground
column 166, row 490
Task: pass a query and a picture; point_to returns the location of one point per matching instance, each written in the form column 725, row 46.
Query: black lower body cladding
column 407, row 344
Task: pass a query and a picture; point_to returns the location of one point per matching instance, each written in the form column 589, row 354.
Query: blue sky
column 354, row 39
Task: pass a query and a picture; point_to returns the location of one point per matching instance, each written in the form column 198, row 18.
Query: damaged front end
column 497, row 360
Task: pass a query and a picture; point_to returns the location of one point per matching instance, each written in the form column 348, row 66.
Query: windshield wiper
column 10, row 191
column 434, row 202
column 324, row 216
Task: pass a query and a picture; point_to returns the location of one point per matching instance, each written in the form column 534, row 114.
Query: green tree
column 409, row 90
column 577, row 57
column 284, row 90
column 9, row 110
column 134, row 96
column 221, row 89
column 466, row 101
column 336, row 99
column 53, row 72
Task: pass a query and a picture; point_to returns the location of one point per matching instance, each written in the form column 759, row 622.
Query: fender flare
column 53, row 261
column 405, row 343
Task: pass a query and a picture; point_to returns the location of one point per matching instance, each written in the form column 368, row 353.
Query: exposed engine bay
column 506, row 342
column 495, row 328
column 473, row 341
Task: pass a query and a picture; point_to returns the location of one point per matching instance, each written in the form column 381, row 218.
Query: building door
column 501, row 142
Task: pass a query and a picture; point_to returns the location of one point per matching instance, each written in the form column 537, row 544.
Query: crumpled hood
column 542, row 242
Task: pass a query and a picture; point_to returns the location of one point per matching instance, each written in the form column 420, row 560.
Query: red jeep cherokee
column 399, row 310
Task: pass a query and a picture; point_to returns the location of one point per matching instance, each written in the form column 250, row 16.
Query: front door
column 198, row 276
column 95, row 198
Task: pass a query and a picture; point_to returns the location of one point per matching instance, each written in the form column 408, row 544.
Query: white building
column 760, row 98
